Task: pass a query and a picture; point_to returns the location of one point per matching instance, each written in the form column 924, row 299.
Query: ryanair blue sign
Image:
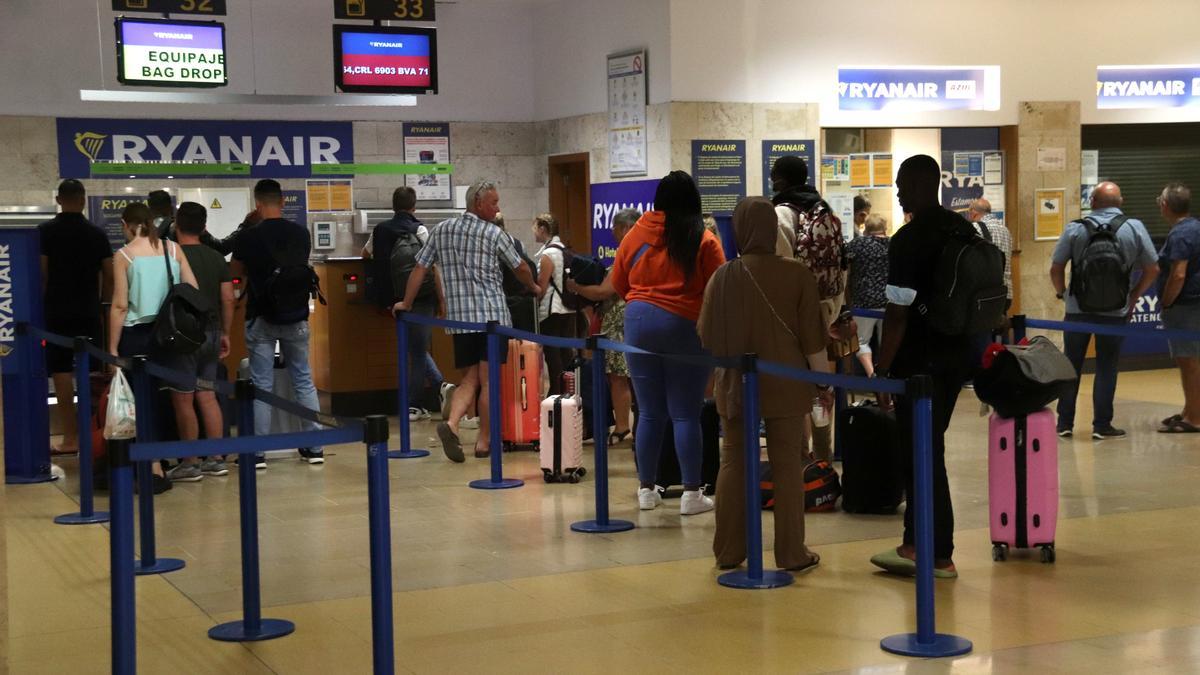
column 919, row 89
column 1147, row 86
column 272, row 149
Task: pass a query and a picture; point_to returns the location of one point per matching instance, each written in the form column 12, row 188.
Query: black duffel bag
column 1023, row 379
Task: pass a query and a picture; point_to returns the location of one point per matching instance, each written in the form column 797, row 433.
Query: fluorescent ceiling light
column 215, row 98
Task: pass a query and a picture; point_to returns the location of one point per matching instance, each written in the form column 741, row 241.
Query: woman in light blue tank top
column 141, row 283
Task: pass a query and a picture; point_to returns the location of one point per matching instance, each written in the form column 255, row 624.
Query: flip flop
column 808, row 566
column 893, row 563
column 450, row 443
column 58, row 452
column 1179, row 426
column 1167, row 422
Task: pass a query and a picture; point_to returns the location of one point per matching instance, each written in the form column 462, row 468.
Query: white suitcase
column 561, row 436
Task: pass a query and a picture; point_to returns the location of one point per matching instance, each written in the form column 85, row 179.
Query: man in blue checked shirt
column 469, row 251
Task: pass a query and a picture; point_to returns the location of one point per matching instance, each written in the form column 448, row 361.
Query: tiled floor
column 496, row 582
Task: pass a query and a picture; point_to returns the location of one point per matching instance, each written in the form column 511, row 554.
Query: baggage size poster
column 627, row 114
column 719, row 168
column 428, row 143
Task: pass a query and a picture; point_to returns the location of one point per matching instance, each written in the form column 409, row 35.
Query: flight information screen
column 171, row 53
column 385, row 60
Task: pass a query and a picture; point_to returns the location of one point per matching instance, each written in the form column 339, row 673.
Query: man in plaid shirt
column 469, row 251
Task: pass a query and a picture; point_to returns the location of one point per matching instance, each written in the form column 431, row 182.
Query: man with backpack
column 1103, row 249
column 806, row 220
column 392, row 255
column 273, row 257
column 945, row 284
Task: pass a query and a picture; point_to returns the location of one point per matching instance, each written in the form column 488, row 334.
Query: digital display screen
column 385, row 60
column 171, row 53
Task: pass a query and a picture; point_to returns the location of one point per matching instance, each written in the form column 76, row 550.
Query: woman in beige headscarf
column 769, row 306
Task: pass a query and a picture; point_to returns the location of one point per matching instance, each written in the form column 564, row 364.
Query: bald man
column 1137, row 252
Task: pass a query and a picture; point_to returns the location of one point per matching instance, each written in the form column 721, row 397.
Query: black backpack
column 513, row 288
column 287, row 290
column 401, row 262
column 969, row 295
column 1100, row 278
column 182, row 322
column 585, row 270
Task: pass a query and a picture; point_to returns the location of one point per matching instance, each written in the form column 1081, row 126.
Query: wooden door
column 570, row 199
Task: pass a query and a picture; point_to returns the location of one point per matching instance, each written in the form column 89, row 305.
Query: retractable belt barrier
column 124, row 455
column 1021, row 322
column 926, row 642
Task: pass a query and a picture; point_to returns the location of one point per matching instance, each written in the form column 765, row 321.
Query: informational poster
column 1147, row 86
column 993, row 168
column 1049, row 213
column 1051, row 159
column 609, row 199
column 719, row 168
column 860, row 171
column 627, row 155
column 881, row 171
column 317, row 196
column 330, row 195
column 1089, row 167
column 835, row 167
column 995, row 196
column 773, row 150
column 913, row 88
column 428, row 143
column 105, row 213
column 842, row 205
column 295, row 206
column 1085, row 198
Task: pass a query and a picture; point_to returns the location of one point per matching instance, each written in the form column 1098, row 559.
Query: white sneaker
column 446, row 393
column 469, row 423
column 418, row 414
column 648, row 498
column 693, row 502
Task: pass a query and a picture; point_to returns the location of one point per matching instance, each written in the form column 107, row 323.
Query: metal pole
column 120, row 559
column 252, row 627
column 405, row 451
column 754, row 576
column 497, row 480
column 926, row 642
column 1018, row 327
column 600, row 436
column 83, row 423
column 143, row 393
column 839, row 404
column 383, row 645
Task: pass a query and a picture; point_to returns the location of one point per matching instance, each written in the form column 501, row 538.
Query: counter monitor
column 385, row 60
column 161, row 53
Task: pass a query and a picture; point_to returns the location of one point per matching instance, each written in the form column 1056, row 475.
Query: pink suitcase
column 520, row 391
column 1023, row 483
column 562, row 439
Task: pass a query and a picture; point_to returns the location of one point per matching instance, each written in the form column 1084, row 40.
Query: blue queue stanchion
column 87, row 514
column 406, row 450
column 383, row 648
column 252, row 627
column 753, row 577
column 123, row 638
column 143, row 393
column 926, row 642
column 496, row 481
column 602, row 523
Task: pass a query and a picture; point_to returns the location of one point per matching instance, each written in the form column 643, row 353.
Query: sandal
column 813, row 561
column 451, row 445
column 618, row 437
column 1179, row 426
column 1173, row 418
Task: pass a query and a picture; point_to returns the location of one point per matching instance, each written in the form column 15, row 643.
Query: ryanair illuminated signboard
column 271, row 149
column 1147, row 86
column 913, row 88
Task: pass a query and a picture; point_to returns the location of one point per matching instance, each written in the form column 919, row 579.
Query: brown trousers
column 786, row 450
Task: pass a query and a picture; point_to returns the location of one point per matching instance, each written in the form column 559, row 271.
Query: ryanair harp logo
column 89, row 143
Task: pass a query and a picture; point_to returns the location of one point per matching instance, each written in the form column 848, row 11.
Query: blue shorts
column 201, row 363
column 1183, row 317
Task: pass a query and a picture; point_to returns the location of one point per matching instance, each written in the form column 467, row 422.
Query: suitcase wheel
column 548, row 475
column 1000, row 552
column 571, row 478
column 1048, row 555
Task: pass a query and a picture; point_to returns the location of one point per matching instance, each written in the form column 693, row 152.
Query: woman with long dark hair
column 661, row 270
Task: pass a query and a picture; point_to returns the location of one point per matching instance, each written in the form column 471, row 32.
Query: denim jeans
column 1108, row 351
column 667, row 391
column 421, row 369
column 261, row 337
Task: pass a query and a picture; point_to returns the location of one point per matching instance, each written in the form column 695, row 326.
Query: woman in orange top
column 661, row 270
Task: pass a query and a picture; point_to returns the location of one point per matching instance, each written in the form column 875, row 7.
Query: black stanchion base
column 502, row 484
column 596, row 527
column 742, row 579
column 80, row 519
column 410, row 454
column 907, row 644
column 236, row 631
column 160, row 566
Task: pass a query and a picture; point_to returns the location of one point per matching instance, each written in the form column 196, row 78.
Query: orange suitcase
column 520, row 394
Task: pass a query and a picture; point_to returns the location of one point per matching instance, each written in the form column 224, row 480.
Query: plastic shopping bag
column 120, row 420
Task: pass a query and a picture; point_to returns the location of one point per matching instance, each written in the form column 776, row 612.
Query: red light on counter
column 237, row 281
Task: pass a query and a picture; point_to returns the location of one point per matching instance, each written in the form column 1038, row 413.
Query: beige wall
column 1044, row 124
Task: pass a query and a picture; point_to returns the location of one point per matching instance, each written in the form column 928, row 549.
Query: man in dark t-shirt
column 275, row 243
column 77, row 273
column 912, row 346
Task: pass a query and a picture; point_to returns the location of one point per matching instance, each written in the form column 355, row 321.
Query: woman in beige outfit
column 769, row 306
